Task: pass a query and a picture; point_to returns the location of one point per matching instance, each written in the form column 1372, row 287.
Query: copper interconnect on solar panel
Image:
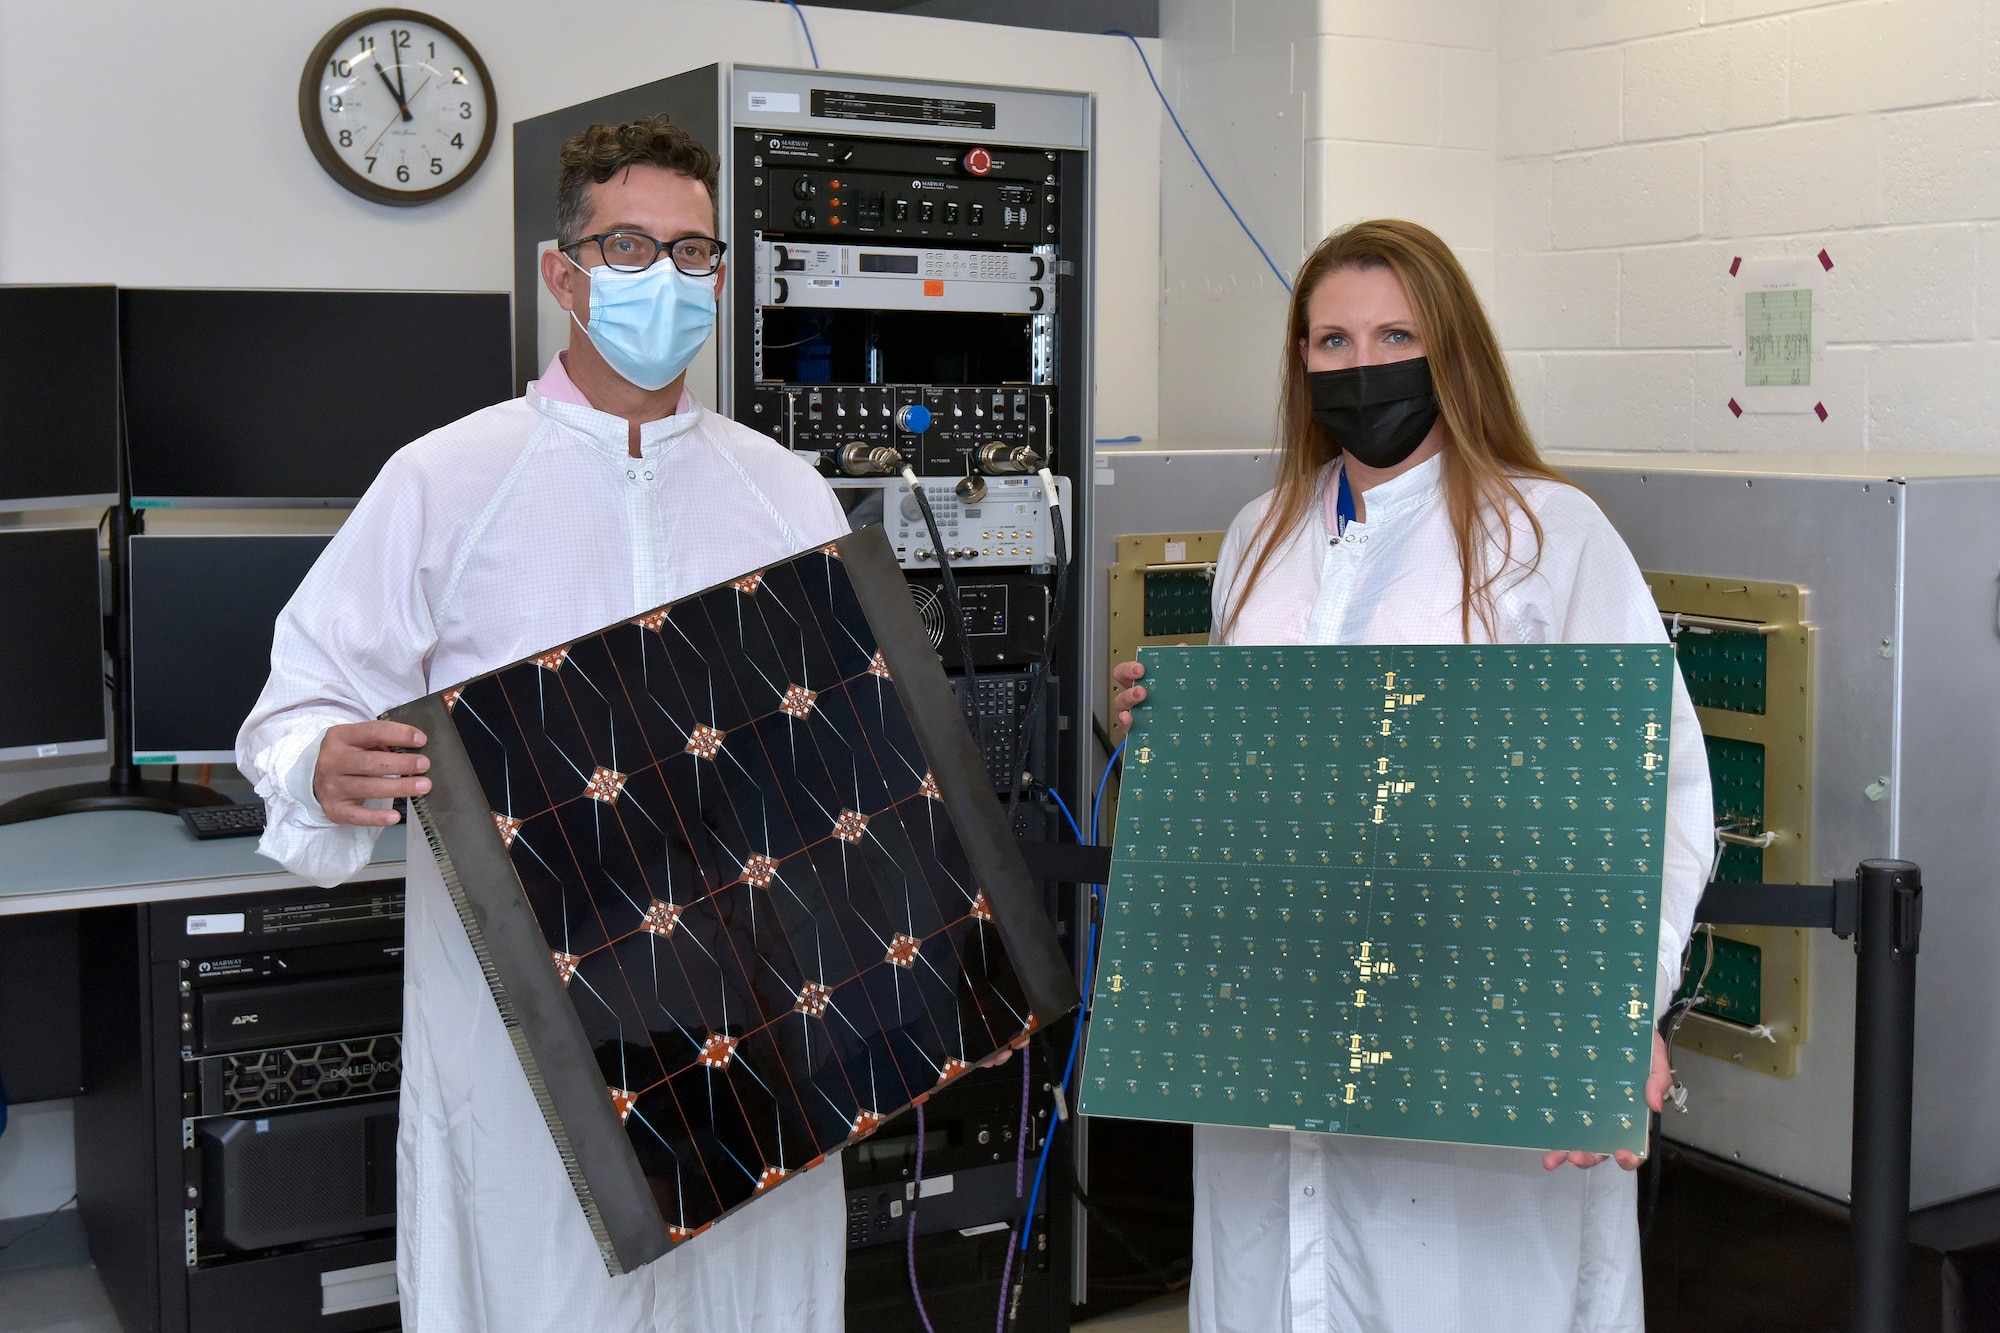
column 739, row 885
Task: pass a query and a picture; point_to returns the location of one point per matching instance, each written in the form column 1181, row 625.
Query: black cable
column 1037, row 690
column 1103, row 736
column 46, row 1219
column 1125, row 1242
column 1038, row 681
column 954, row 609
column 1649, row 1180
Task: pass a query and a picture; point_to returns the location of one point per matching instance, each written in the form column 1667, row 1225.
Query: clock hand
column 402, row 89
column 392, row 120
column 402, row 102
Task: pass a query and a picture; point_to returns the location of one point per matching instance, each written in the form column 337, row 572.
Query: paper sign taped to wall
column 1778, row 328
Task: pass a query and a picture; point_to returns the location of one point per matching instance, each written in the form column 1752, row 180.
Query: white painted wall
column 37, row 1159
column 1644, row 145
column 159, row 144
column 1311, row 114
column 1598, row 164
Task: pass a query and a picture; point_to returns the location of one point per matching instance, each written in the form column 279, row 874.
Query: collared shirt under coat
column 1321, row 1233
column 516, row 529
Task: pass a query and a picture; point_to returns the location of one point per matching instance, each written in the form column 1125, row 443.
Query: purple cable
column 1020, row 1164
column 1006, row 1276
column 1021, row 1138
column 910, row 1223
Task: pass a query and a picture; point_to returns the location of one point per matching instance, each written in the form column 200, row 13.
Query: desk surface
column 109, row 857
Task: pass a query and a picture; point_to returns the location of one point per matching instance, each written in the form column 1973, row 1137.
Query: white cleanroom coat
column 516, row 529
column 1319, row 1233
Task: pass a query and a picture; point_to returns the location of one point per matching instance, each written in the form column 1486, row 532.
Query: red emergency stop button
column 979, row 161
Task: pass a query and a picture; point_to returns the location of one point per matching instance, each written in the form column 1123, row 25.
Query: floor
column 71, row 1300
column 55, row 1300
column 1167, row 1314
column 1724, row 1253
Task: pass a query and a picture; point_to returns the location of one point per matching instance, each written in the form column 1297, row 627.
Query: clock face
column 397, row 107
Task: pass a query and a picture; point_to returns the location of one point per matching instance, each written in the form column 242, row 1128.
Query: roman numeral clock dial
column 397, row 106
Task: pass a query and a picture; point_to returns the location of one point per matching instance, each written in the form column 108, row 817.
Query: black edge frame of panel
column 1046, row 981
column 548, row 1036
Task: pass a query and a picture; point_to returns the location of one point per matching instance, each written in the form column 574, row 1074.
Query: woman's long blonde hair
column 1486, row 444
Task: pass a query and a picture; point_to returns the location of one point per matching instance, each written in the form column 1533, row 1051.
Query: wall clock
column 397, row 106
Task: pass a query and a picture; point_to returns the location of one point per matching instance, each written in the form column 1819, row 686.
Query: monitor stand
column 124, row 787
column 110, row 794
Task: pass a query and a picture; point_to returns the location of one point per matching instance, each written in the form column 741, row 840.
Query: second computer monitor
column 252, row 398
column 203, row 611
column 52, row 646
column 58, row 396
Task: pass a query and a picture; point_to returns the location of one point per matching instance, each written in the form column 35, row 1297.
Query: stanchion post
column 1885, row 1012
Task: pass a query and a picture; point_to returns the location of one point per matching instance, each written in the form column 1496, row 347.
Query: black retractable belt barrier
column 1882, row 910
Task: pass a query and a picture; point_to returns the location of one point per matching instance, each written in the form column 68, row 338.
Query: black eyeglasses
column 635, row 252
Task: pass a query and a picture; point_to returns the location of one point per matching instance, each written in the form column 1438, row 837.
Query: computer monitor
column 58, row 397
column 52, row 668
column 289, row 398
column 203, row 609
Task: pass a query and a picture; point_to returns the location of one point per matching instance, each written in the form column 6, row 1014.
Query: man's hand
column 357, row 762
column 1130, row 693
column 1003, row 1055
column 1656, row 1097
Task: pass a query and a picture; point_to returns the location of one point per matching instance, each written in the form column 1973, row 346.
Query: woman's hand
column 1130, row 694
column 1656, row 1097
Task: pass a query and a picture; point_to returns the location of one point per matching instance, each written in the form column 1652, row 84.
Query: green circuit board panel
column 1177, row 601
column 1405, row 892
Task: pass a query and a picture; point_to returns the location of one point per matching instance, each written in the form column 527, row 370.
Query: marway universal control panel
column 907, row 306
column 884, row 188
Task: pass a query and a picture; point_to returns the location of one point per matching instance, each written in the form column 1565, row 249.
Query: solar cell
column 1406, row 892
column 739, row 885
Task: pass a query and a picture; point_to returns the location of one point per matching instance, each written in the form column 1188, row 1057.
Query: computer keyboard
column 224, row 821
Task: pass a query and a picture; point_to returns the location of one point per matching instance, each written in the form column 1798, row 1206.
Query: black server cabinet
column 236, row 1145
column 910, row 283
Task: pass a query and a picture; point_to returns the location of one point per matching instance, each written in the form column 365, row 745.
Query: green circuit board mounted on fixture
column 1405, row 892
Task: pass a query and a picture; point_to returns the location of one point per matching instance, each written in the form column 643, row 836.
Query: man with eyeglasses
column 603, row 492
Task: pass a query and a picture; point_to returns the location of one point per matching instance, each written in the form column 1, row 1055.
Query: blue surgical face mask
column 648, row 326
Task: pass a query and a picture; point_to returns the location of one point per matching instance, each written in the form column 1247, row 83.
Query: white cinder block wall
column 251, row 208
column 1311, row 113
column 1642, row 146
column 1598, row 164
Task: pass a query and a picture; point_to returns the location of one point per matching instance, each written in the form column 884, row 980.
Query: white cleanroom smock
column 1321, row 1233
column 514, row 530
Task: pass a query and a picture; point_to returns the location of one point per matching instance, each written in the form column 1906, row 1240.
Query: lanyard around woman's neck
column 1343, row 505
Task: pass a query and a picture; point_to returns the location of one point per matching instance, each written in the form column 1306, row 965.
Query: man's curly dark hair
column 602, row 151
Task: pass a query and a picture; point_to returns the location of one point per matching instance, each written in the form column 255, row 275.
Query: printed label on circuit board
column 1408, row 892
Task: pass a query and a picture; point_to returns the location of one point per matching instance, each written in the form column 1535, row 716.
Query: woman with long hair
column 1412, row 507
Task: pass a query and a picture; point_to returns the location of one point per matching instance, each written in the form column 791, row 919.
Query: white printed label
column 345, row 1289
column 775, row 102
column 218, row 923
column 936, row 1185
column 45, row 751
column 1176, row 552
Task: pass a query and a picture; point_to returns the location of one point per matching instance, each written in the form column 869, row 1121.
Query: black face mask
column 1379, row 414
